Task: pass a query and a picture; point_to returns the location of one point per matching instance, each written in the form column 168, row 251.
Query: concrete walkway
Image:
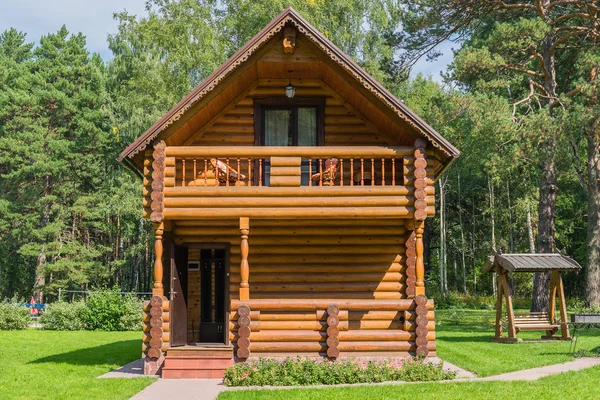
column 207, row 389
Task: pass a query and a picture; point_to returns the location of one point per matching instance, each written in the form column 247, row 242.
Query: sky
column 94, row 18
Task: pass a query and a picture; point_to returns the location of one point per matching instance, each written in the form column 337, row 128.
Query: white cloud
column 92, row 18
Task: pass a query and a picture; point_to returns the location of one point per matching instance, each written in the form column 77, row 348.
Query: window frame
column 284, row 103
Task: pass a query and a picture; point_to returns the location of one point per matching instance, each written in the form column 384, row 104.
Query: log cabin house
column 289, row 193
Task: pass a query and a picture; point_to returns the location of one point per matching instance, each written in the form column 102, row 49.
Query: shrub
column 65, row 316
column 110, row 311
column 305, row 371
column 13, row 316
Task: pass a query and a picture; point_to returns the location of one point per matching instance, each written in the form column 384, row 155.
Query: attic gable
column 315, row 54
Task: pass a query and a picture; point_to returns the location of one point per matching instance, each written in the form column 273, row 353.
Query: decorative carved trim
column 420, row 174
column 421, row 322
column 243, row 342
column 158, row 184
column 411, row 262
column 329, row 48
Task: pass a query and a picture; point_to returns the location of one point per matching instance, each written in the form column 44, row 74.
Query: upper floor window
column 289, row 122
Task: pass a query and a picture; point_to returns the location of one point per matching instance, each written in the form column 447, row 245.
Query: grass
column 467, row 345
column 579, row 385
column 64, row 365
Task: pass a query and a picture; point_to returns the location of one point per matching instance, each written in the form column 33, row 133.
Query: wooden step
column 197, row 362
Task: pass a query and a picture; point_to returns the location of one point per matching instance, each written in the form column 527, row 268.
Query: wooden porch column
column 244, row 266
column 158, row 289
column 420, row 264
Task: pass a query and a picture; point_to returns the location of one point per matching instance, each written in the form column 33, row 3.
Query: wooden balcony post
column 420, row 185
column 158, row 289
column 244, row 266
column 420, row 265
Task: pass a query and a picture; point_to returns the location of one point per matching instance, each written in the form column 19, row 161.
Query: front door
column 178, row 295
column 214, row 285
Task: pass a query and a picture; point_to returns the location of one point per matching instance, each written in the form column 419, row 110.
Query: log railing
column 285, row 166
column 272, row 327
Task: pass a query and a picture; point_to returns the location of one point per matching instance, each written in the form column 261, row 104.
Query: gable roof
column 290, row 16
column 530, row 263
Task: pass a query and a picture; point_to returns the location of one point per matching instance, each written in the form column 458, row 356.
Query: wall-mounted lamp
column 290, row 90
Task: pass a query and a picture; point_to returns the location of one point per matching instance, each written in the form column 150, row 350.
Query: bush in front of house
column 305, row 371
column 13, row 316
column 109, row 310
column 65, row 316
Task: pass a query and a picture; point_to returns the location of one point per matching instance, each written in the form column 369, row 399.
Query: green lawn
column 467, row 345
column 580, row 385
column 36, row 364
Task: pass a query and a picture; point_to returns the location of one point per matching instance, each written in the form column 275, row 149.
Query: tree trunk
column 463, row 250
column 530, row 231
column 442, row 185
column 592, row 276
column 493, row 226
column 547, row 202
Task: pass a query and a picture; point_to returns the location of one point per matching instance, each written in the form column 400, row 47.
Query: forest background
column 520, row 100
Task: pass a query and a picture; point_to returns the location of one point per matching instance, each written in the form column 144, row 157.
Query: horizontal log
column 288, row 316
column 304, row 232
column 360, row 346
column 315, row 336
column 287, row 223
column 319, row 304
column 330, row 295
column 254, row 315
column 396, row 240
column 390, row 251
column 303, row 191
column 325, row 287
column 285, row 181
column 380, row 335
column 320, row 347
column 254, row 326
column 318, row 325
column 289, row 202
column 279, row 259
column 290, row 151
column 323, row 276
column 290, row 212
column 380, row 268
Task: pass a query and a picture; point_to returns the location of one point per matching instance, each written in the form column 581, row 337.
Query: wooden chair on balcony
column 225, row 172
column 329, row 173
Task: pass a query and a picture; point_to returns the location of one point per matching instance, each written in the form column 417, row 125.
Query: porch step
column 193, row 362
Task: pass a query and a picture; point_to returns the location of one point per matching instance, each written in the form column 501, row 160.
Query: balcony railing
column 285, row 166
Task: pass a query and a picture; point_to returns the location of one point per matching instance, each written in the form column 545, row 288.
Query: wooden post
column 564, row 328
column 244, row 266
column 552, row 301
column 510, row 314
column 499, row 309
column 420, row 264
column 158, row 289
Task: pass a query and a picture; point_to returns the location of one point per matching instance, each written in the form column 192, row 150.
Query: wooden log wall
column 343, row 125
column 300, row 267
column 156, row 327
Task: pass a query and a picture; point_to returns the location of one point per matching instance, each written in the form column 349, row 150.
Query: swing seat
column 534, row 321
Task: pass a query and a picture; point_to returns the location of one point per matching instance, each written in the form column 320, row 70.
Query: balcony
column 290, row 182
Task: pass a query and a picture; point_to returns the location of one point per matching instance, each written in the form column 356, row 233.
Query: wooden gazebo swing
column 502, row 265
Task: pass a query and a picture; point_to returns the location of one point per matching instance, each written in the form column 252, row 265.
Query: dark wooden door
column 178, row 297
column 214, row 294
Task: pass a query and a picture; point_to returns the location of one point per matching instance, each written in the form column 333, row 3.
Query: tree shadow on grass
column 119, row 353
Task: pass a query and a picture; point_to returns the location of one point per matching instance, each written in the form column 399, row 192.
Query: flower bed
column 306, row 371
